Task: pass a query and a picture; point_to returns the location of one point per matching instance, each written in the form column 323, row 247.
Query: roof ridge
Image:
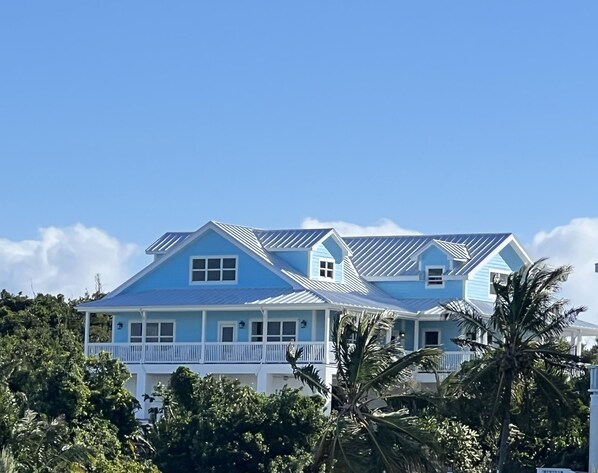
column 430, row 235
column 327, row 229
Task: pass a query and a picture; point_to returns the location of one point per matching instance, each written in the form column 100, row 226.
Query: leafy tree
column 525, row 328
column 364, row 434
column 212, row 425
column 54, row 400
column 460, row 446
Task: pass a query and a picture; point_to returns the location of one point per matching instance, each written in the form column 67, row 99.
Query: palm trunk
column 503, row 449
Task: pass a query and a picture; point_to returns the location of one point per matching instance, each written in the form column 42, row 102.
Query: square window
column 432, row 338
column 499, row 278
column 214, row 269
column 434, row 277
column 326, row 269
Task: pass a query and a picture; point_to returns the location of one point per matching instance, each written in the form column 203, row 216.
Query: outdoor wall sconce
column 303, row 323
column 401, row 334
column 119, row 326
column 241, row 324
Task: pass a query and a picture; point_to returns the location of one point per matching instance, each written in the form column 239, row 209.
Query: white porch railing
column 554, row 470
column 451, row 361
column 239, row 352
column 232, row 352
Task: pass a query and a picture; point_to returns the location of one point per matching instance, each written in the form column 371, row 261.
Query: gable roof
column 455, row 251
column 391, row 256
column 298, row 239
column 353, row 292
column 166, row 242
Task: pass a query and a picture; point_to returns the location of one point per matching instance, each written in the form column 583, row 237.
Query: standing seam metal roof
column 391, row 256
column 290, row 239
column 166, row 242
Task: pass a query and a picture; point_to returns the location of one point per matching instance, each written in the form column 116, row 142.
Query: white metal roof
column 391, row 256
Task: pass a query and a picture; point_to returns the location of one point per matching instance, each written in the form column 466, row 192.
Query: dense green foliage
column 60, row 411
column 521, row 377
column 214, row 424
column 364, row 434
column 63, row 412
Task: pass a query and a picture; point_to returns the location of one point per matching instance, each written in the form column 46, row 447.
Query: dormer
column 438, row 258
column 315, row 253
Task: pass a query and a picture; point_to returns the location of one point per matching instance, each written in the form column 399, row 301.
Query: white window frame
column 227, row 323
column 281, row 321
column 495, row 271
column 430, row 331
column 221, row 269
column 426, row 275
column 327, row 261
column 152, row 321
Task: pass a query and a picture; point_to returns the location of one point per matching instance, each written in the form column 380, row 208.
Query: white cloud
column 64, row 260
column 576, row 244
column 383, row 226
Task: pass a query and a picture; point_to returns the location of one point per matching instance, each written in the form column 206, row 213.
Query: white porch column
column 140, row 390
column 416, row 335
column 86, row 335
column 264, row 338
column 143, row 337
column 326, row 374
column 593, row 443
column 262, row 381
column 579, row 347
column 203, row 336
column 327, row 336
column 313, row 325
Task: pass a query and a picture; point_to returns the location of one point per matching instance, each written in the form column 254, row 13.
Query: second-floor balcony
column 238, row 353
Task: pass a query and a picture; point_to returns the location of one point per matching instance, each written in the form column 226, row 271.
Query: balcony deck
column 236, row 352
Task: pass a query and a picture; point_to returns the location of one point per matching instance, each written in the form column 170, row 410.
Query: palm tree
column 525, row 329
column 363, row 433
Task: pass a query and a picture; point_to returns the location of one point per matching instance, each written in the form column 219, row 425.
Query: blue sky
column 140, row 117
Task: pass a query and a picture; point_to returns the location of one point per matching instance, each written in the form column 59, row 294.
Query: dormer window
column 498, row 277
column 213, row 269
column 327, row 269
column 434, row 276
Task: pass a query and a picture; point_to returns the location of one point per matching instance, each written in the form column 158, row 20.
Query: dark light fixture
column 119, row 326
column 401, row 334
column 242, row 324
column 470, row 335
column 303, row 323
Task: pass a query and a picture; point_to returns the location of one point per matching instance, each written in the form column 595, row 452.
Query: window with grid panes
column 214, row 269
column 278, row 331
column 326, row 269
column 156, row 332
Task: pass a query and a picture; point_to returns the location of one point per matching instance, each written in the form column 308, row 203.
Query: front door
column 227, row 333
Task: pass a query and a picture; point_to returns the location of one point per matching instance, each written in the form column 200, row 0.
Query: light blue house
column 228, row 299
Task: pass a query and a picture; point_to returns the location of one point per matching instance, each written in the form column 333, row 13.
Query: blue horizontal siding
column 188, row 324
column 418, row 289
column 434, row 256
column 174, row 272
column 448, row 330
column 329, row 249
column 297, row 259
column 478, row 286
